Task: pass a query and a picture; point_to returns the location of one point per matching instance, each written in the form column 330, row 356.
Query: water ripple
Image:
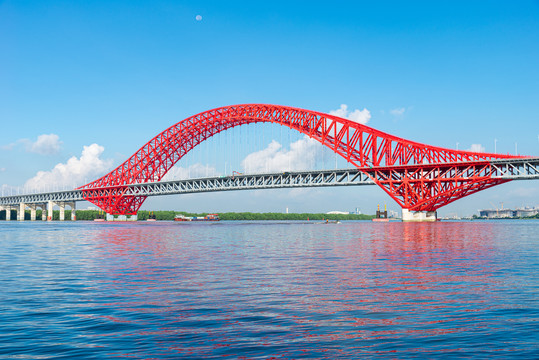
column 269, row 290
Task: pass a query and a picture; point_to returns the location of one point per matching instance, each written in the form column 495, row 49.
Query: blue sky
column 117, row 73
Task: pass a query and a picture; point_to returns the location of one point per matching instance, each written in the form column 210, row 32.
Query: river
column 259, row 290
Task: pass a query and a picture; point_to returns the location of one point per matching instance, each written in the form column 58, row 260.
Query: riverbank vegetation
column 169, row 215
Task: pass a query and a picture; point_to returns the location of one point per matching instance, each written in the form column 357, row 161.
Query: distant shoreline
column 143, row 215
column 169, row 215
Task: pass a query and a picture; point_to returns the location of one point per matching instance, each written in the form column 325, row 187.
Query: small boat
column 209, row 217
column 151, row 217
column 327, row 221
column 181, row 218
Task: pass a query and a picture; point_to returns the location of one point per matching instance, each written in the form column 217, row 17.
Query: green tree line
column 169, row 215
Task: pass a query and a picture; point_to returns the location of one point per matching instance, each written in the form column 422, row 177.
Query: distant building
column 508, row 213
column 525, row 212
column 337, row 213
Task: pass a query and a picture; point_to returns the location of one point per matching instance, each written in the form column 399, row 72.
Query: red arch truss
column 419, row 177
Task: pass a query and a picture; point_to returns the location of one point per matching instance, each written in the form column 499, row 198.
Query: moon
column 198, row 17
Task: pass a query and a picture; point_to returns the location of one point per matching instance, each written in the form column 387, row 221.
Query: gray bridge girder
column 520, row 169
column 38, row 198
column 511, row 169
column 345, row 177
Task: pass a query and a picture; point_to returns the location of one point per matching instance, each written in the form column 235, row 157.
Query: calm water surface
column 261, row 290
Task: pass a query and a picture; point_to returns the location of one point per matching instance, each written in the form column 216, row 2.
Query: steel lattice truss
column 502, row 171
column 40, row 198
column 318, row 178
column 430, row 186
column 513, row 169
column 342, row 177
column 360, row 145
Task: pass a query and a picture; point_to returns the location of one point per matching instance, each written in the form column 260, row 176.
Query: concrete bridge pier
column 418, row 216
column 50, row 204
column 62, row 207
column 33, row 209
column 8, row 213
column 43, row 211
column 110, row 217
column 73, row 207
column 20, row 213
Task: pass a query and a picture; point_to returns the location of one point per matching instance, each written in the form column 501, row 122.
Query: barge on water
column 209, row 217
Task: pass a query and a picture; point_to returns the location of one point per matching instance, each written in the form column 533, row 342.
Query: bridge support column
column 418, row 216
column 73, row 206
column 20, row 214
column 62, row 207
column 8, row 213
column 50, row 204
column 43, row 212
column 33, row 208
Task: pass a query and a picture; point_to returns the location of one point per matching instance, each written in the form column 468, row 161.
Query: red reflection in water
column 318, row 284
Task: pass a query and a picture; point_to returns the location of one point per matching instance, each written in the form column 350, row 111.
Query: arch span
column 397, row 165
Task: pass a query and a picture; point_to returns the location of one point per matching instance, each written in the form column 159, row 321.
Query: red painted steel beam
column 417, row 176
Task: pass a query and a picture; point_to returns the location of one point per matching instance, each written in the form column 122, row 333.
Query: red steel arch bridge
column 420, row 178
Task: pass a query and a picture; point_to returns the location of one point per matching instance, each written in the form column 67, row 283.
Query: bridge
column 519, row 169
column 420, row 178
column 292, row 179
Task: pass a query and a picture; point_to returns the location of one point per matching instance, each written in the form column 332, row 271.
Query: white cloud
column 359, row 116
column 301, row 156
column 2, row 169
column 9, row 146
column 477, row 148
column 75, row 172
column 193, row 171
column 397, row 111
column 46, row 144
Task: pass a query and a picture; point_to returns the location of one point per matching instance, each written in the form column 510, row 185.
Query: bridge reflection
column 358, row 285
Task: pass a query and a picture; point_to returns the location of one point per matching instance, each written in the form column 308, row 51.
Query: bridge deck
column 342, row 177
column 511, row 169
